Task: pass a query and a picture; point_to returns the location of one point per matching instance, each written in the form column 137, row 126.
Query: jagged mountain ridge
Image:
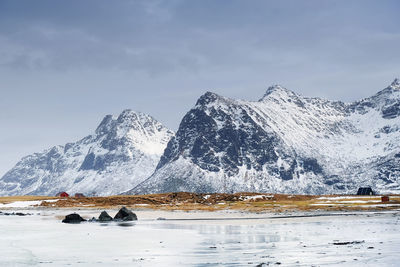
column 122, row 152
column 283, row 143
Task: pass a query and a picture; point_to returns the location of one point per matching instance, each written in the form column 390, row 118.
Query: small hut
column 365, row 191
column 62, row 194
column 79, row 195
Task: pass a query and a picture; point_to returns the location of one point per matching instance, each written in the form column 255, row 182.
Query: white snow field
column 26, row 204
column 202, row 239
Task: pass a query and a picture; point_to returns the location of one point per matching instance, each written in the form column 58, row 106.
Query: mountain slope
column 119, row 155
column 283, row 143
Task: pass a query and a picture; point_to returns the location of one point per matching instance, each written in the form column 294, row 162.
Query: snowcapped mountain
column 283, row 143
column 121, row 153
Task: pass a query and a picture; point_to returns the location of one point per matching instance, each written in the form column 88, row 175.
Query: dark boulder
column 73, row 218
column 104, row 217
column 125, row 215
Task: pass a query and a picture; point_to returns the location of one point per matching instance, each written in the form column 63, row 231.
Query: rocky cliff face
column 283, row 143
column 122, row 152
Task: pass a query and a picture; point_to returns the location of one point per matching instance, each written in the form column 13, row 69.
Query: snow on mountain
column 283, row 143
column 121, row 153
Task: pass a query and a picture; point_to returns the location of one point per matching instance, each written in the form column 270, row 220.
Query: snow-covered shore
column 227, row 238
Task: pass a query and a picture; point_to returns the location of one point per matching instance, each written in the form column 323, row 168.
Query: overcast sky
column 66, row 64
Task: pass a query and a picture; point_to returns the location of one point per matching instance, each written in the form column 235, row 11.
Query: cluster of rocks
column 14, row 213
column 123, row 215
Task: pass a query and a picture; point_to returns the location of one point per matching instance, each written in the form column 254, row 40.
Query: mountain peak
column 128, row 114
column 130, row 117
column 395, row 84
column 275, row 87
column 390, row 92
column 105, row 125
column 137, row 126
column 275, row 91
column 207, row 98
column 127, row 117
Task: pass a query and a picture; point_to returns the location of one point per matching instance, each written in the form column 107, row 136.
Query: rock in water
column 104, row 217
column 125, row 215
column 93, row 219
column 73, row 218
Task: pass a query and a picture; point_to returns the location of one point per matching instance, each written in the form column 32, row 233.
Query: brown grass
column 211, row 202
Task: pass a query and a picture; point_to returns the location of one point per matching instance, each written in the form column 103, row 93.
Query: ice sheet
column 43, row 240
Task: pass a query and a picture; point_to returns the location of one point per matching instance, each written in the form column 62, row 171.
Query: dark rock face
column 311, row 165
column 88, row 162
column 104, row 217
column 73, row 218
column 223, row 135
column 242, row 142
column 125, row 215
column 391, row 111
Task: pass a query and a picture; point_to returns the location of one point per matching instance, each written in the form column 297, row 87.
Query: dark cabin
column 79, row 195
column 365, row 191
column 62, row 194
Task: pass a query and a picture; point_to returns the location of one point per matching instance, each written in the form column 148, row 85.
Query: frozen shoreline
column 225, row 238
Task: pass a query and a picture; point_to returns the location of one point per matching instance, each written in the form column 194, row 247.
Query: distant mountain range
column 282, row 143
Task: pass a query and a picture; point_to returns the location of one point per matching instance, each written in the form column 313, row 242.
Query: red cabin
column 62, row 194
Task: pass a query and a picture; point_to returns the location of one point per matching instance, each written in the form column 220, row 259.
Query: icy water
column 312, row 241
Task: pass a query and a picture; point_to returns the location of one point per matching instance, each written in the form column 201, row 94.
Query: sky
column 64, row 65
